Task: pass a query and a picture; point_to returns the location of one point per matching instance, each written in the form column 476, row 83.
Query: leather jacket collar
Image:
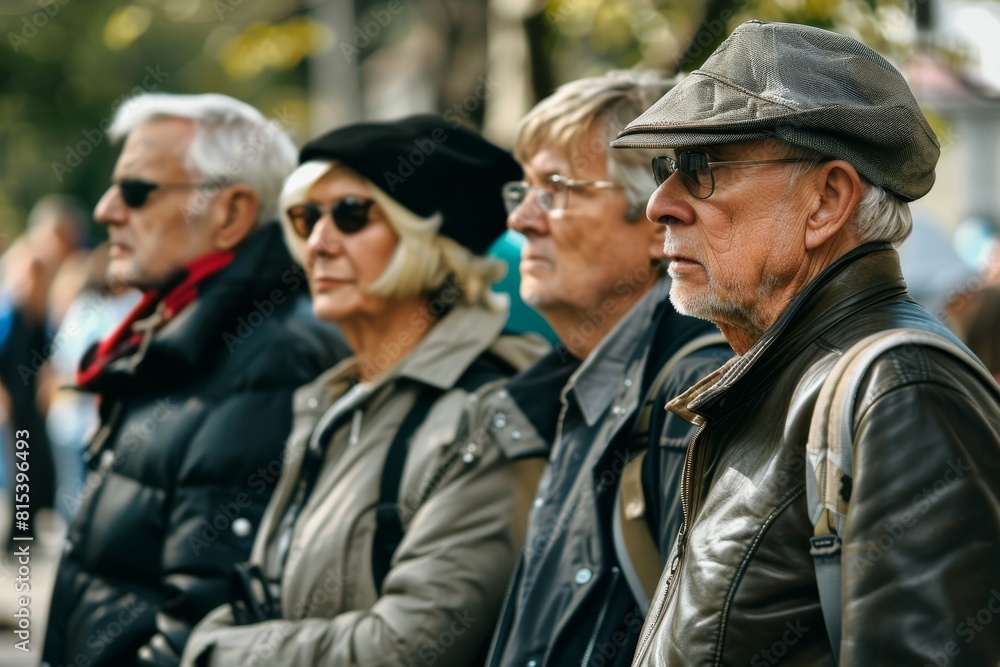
column 829, row 298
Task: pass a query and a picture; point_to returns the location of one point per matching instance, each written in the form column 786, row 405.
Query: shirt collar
column 597, row 381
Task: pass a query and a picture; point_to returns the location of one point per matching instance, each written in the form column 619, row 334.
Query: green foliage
column 66, row 67
column 588, row 36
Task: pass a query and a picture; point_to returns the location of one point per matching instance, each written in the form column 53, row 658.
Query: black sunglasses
column 696, row 170
column 135, row 192
column 350, row 214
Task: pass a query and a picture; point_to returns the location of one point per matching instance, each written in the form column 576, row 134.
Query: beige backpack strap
column 638, row 553
column 829, row 454
column 645, row 416
column 631, row 535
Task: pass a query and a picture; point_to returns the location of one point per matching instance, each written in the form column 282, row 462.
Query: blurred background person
column 975, row 317
column 56, row 230
column 396, row 525
column 87, row 307
column 982, row 328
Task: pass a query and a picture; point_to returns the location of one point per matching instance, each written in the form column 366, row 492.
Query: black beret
column 429, row 165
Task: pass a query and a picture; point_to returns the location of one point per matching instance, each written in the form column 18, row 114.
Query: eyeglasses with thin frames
column 696, row 170
column 135, row 192
column 551, row 195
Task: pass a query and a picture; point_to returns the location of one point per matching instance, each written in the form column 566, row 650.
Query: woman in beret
column 399, row 514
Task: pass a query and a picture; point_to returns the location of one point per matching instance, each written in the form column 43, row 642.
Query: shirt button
column 583, row 576
column 628, row 382
column 242, row 527
column 618, row 410
column 516, row 435
column 312, row 402
column 500, row 420
column 532, row 663
column 539, row 501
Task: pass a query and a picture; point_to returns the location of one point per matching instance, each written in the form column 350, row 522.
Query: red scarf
column 126, row 340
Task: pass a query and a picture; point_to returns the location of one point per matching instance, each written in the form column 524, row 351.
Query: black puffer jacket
column 189, row 450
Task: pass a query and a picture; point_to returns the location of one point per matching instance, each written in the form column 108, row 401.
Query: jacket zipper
column 657, row 609
column 615, row 572
column 503, row 625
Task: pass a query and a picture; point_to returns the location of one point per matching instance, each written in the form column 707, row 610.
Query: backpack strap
column 388, row 524
column 640, row 431
column 638, row 554
column 829, row 454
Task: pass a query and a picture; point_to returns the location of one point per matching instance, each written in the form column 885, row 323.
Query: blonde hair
column 423, row 262
column 612, row 100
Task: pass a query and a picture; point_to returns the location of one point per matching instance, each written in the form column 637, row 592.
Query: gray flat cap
column 804, row 85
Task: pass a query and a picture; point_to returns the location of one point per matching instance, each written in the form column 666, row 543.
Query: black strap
column 388, row 524
column 250, row 596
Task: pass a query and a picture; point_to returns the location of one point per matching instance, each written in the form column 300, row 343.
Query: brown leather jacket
column 921, row 550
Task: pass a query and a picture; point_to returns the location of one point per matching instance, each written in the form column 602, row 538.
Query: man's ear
column 235, row 215
column 839, row 189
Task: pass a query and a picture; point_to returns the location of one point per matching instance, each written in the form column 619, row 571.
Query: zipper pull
column 681, row 539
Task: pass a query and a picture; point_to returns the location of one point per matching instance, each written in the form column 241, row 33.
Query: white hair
column 233, row 142
column 881, row 215
column 423, row 260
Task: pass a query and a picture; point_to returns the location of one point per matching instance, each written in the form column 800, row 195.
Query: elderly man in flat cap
column 790, row 157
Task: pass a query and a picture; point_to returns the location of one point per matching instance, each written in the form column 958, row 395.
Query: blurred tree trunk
column 334, row 82
column 518, row 71
column 708, row 34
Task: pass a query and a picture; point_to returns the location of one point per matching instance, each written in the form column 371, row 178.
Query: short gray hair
column 880, row 215
column 233, row 142
column 613, row 99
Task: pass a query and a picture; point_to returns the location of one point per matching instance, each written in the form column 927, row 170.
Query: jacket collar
column 192, row 339
column 863, row 276
column 440, row 359
column 453, row 344
column 598, row 379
